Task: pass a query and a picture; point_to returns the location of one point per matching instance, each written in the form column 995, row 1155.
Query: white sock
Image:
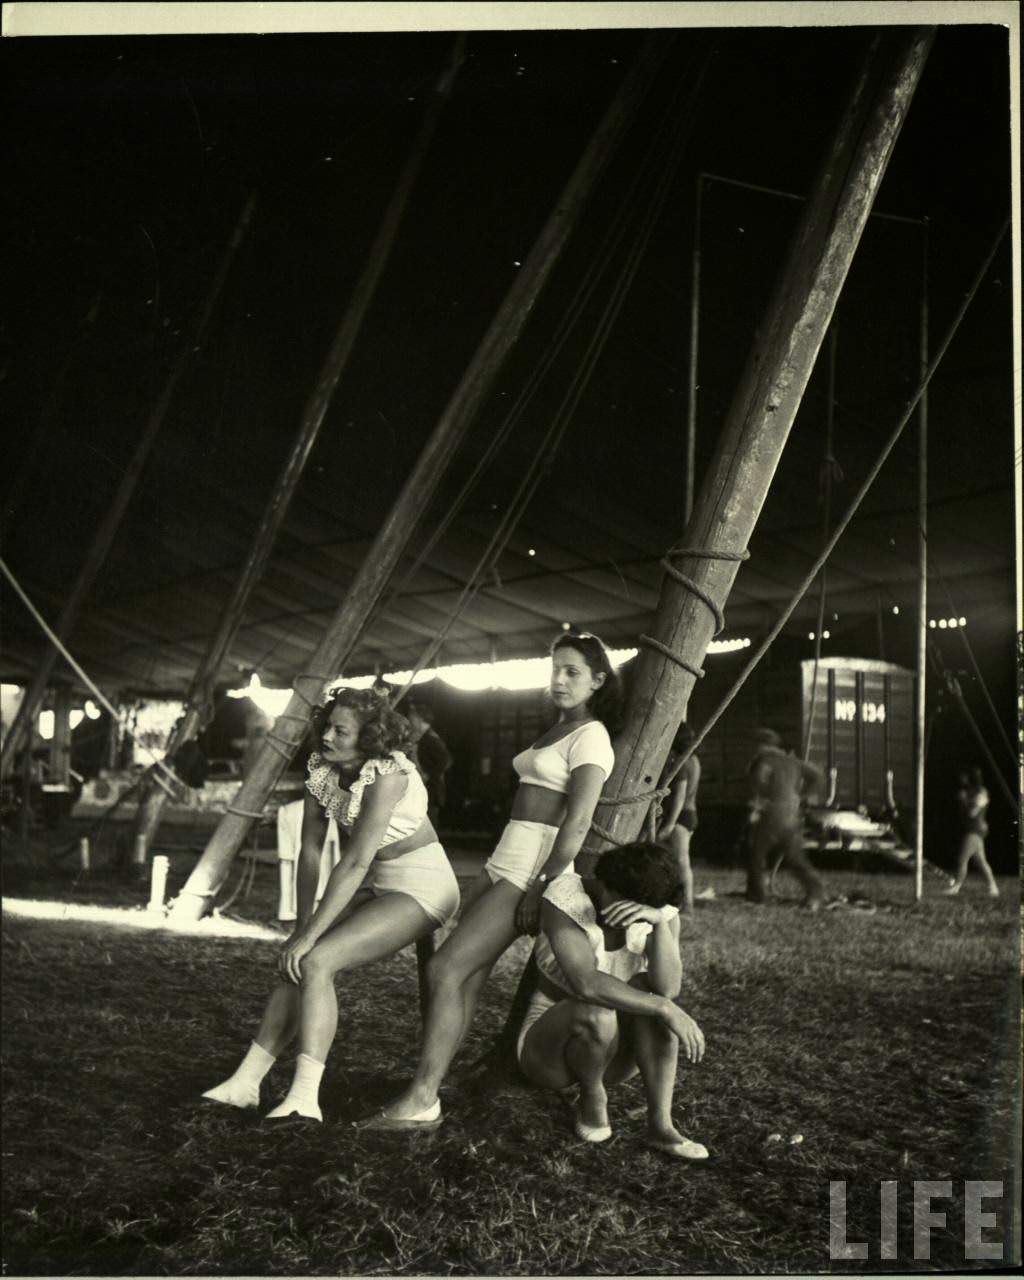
column 301, row 1099
column 243, row 1088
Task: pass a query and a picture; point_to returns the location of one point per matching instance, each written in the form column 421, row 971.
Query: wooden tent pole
column 393, row 536
column 751, row 442
column 200, row 694
column 111, row 522
column 60, row 744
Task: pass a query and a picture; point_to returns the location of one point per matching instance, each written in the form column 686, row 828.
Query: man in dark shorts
column 778, row 782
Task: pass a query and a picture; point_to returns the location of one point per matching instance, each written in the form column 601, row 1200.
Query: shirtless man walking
column 778, row 780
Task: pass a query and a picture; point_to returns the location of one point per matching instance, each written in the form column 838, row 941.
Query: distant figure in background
column 972, row 803
column 430, row 754
column 257, row 726
column 778, row 780
column 679, row 814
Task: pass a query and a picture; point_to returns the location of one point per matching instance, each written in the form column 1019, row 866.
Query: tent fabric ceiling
column 151, row 640
column 610, row 505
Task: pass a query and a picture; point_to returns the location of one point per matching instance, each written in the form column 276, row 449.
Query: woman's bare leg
column 455, row 975
column 573, row 1043
column 657, row 1054
column 679, row 843
column 380, row 928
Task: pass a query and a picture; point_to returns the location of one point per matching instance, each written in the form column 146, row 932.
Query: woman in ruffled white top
column 560, row 781
column 392, row 885
column 609, row 974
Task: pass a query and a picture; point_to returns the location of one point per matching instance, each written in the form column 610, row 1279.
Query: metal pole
column 922, row 584
column 691, row 403
column 111, row 522
column 200, row 694
column 826, row 521
column 756, row 428
column 392, row 539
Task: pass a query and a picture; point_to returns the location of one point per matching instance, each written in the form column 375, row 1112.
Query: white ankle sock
column 301, row 1099
column 243, row 1088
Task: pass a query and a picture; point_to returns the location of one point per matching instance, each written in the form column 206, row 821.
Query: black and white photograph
column 510, row 639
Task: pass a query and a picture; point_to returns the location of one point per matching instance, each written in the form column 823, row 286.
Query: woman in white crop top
column 560, row 781
column 392, row 885
column 608, row 957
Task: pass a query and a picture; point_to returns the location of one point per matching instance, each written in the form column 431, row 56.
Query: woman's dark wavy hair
column 642, row 872
column 381, row 730
column 606, row 703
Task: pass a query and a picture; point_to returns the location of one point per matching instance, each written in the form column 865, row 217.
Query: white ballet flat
column 428, row 1119
column 589, row 1132
column 681, row 1150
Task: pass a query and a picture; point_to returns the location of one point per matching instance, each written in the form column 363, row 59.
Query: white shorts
column 425, row 875
column 535, row 1010
column 521, row 852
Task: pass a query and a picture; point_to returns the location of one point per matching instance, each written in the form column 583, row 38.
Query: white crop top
column 551, row 766
column 343, row 806
column 567, row 893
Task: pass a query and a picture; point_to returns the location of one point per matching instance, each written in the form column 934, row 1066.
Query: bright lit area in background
column 514, row 675
column 134, row 918
column 10, row 701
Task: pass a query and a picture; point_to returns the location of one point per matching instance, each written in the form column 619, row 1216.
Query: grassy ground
column 886, row 1041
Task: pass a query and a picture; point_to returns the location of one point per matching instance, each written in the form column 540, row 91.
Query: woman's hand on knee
column 289, row 960
column 686, row 1031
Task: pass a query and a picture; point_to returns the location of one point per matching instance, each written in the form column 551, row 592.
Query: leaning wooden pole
column 200, row 694
column 111, row 522
column 700, row 576
column 393, row 536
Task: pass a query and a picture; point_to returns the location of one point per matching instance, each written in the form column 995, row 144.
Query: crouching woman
column 608, row 956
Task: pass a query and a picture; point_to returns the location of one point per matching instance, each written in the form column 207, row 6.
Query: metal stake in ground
column 758, row 423
column 392, row 538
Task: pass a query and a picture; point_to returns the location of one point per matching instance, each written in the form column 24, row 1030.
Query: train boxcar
column 854, row 717
column 858, row 713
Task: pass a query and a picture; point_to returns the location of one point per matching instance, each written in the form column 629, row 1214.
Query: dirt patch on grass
column 886, row 1043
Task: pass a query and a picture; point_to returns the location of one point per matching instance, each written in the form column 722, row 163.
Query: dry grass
column 888, row 1041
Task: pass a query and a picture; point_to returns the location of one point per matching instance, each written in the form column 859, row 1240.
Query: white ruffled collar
column 344, row 804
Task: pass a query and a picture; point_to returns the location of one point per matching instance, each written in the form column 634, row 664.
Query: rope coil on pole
column 671, row 654
column 282, row 746
column 242, row 813
column 658, row 794
column 699, row 553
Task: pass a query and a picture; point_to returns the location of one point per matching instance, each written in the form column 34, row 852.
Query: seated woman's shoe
column 678, row 1148
column 428, row 1119
column 589, row 1132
